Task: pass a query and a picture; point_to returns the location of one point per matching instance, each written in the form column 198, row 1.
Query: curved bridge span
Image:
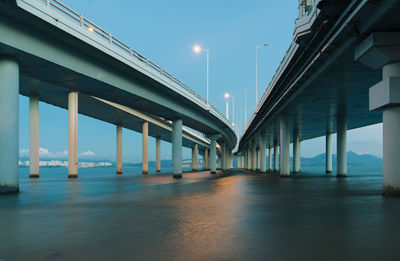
column 341, row 72
column 53, row 54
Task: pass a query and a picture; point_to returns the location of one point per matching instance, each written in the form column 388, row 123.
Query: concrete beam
column 276, row 166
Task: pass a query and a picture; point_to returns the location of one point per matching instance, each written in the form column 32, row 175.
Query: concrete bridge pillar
column 381, row 50
column 276, row 168
column 285, row 146
column 177, row 148
column 263, row 154
column 213, row 153
column 145, row 147
column 328, row 153
column 119, row 149
column 9, row 137
column 158, row 154
column 296, row 154
column 341, row 146
column 269, row 158
column 253, row 156
column 205, row 160
column 73, row 134
column 248, row 158
column 33, row 137
column 194, row 157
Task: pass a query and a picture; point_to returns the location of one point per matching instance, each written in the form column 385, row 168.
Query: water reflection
column 233, row 216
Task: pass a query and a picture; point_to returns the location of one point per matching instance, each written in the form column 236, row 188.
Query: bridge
column 53, row 54
column 341, row 72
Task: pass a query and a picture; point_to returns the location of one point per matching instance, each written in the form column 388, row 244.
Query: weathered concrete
column 296, row 154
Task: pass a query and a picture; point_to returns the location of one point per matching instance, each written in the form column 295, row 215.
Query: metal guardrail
column 107, row 36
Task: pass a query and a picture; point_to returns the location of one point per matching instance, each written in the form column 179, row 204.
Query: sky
column 165, row 32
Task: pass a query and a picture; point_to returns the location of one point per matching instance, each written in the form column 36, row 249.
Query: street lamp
column 257, row 70
column 198, row 49
column 227, row 105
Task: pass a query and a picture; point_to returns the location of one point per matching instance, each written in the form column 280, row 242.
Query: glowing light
column 90, row 29
column 227, row 95
column 196, row 48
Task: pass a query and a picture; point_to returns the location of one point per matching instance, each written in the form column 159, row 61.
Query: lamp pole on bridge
column 257, row 47
column 227, row 105
column 198, row 49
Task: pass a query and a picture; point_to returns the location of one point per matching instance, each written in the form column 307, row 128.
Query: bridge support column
column 381, row 50
column 276, row 168
column 213, row 153
column 285, row 146
column 205, row 160
column 145, row 147
column 177, row 148
column 296, row 154
column 253, row 157
column 269, row 158
column 341, row 146
column 73, row 135
column 158, row 154
column 248, row 165
column 328, row 153
column 263, row 154
column 194, row 157
column 119, row 149
column 9, row 137
column 33, row 137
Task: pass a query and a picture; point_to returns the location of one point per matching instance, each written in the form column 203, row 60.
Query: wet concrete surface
column 231, row 216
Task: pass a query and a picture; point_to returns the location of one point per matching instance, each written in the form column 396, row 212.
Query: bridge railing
column 107, row 36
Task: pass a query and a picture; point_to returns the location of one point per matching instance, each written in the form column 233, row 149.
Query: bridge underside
column 342, row 90
column 104, row 111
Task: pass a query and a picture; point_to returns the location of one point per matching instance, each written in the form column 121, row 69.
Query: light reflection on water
column 233, row 216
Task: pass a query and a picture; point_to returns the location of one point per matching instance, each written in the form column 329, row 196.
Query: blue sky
column 165, row 32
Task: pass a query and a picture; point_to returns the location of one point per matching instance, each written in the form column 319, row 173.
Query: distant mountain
column 353, row 159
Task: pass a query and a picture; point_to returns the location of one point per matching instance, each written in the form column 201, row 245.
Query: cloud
column 44, row 152
column 87, row 153
column 23, row 152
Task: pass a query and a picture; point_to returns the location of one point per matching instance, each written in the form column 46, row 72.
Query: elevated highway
column 340, row 72
column 54, row 54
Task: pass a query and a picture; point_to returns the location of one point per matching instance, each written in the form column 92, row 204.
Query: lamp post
column 245, row 107
column 198, row 49
column 227, row 105
column 257, row 70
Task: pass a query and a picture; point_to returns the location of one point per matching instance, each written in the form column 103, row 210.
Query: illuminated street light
column 198, row 49
column 227, row 105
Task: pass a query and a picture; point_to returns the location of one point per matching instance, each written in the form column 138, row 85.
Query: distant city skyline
column 229, row 29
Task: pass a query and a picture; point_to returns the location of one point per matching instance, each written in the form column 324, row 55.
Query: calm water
column 235, row 216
